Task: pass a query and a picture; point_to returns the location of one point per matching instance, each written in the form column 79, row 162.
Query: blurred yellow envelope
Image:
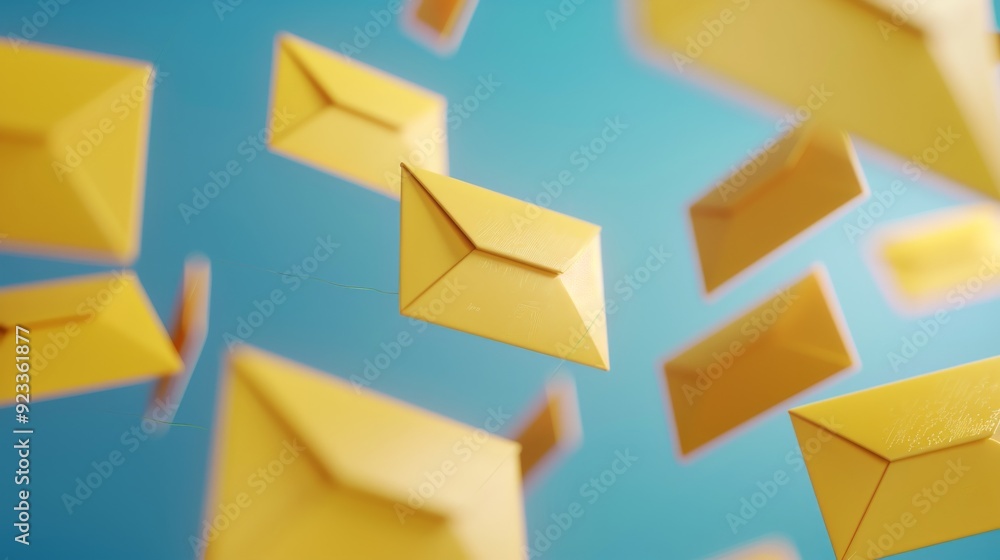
column 353, row 474
column 769, row 549
column 916, row 77
column 909, row 464
column 780, row 348
column 440, row 23
column 944, row 258
column 487, row 264
column 551, row 428
column 86, row 333
column 190, row 328
column 73, row 134
column 352, row 120
column 787, row 187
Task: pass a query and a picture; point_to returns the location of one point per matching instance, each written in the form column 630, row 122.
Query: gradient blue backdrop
column 558, row 87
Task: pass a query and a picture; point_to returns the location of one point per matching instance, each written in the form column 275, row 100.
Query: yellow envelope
column 789, row 186
column 440, row 23
column 353, row 474
column 188, row 335
column 73, row 134
column 947, row 258
column 352, row 120
column 551, row 429
column 906, row 465
column 86, row 333
column 781, row 347
column 487, row 264
column 917, row 78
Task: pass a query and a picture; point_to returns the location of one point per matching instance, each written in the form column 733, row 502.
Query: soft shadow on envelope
column 923, row 85
column 73, row 134
column 439, row 23
column 771, row 199
column 550, row 430
column 87, row 333
column 352, row 120
column 491, row 265
column 782, row 347
column 906, row 465
column 940, row 260
column 354, row 474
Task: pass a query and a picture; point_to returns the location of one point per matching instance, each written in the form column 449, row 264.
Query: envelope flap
column 373, row 443
column 750, row 181
column 508, row 227
column 919, row 415
column 54, row 300
column 361, row 89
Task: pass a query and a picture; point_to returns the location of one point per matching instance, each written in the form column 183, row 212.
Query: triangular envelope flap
column 844, row 478
column 508, row 227
column 809, row 326
column 919, row 415
column 53, row 83
column 750, row 181
column 55, row 300
column 362, row 89
column 371, row 442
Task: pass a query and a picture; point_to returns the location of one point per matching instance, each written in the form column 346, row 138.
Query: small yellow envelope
column 777, row 195
column 773, row 352
column 188, row 335
column 551, row 429
column 915, row 77
column 440, row 23
column 73, row 134
column 487, row 264
column 86, row 333
column 948, row 258
column 352, row 120
column 352, row 474
column 906, row 465
column 771, row 549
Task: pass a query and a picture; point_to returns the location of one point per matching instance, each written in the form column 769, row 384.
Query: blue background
column 558, row 87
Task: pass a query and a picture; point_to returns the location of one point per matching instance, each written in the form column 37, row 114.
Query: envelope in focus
column 782, row 347
column 440, row 23
column 774, row 197
column 947, row 258
column 352, row 120
column 906, row 465
column 916, row 78
column 73, row 135
column 487, row 264
column 87, row 333
column 551, row 429
column 354, row 474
